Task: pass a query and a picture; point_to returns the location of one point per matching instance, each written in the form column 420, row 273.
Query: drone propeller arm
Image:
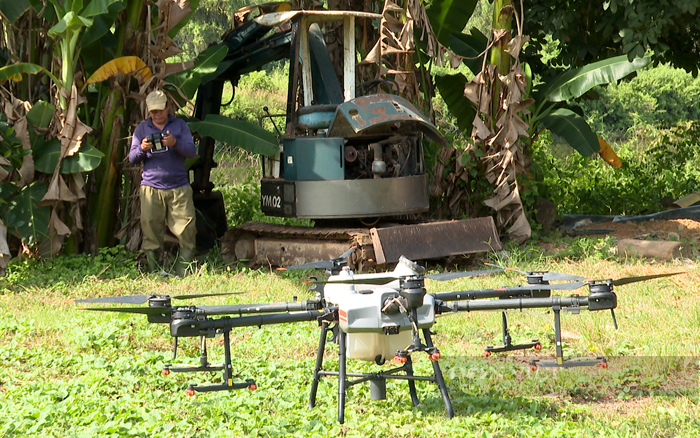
column 595, row 301
column 471, row 294
column 519, row 303
column 244, row 309
column 191, row 327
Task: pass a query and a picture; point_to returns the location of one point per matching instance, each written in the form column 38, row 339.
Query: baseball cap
column 156, row 100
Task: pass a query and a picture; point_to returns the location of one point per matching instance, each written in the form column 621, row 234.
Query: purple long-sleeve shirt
column 163, row 170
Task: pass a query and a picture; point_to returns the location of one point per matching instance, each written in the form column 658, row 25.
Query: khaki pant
column 172, row 206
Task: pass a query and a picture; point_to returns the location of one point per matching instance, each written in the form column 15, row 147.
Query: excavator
column 350, row 157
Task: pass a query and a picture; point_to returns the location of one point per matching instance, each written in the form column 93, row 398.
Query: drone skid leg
column 507, row 341
column 535, row 343
column 408, row 366
column 204, row 365
column 227, row 384
column 570, row 363
column 319, row 364
column 169, row 368
column 439, row 380
column 342, row 377
column 559, row 361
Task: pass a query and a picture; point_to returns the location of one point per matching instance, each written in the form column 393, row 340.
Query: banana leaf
column 25, row 217
column 46, row 155
column 102, row 24
column 15, row 71
column 451, row 89
column 41, row 113
column 207, row 62
column 575, row 83
column 13, row 9
column 471, row 47
column 573, row 129
column 449, row 16
column 124, row 65
column 239, row 133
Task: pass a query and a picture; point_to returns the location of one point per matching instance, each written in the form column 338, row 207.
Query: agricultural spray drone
column 373, row 317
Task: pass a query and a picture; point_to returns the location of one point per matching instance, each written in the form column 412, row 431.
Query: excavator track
column 258, row 244
column 261, row 244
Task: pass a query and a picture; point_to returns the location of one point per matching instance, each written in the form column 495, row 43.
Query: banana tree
column 62, row 150
column 492, row 104
column 18, row 202
column 497, row 106
column 65, row 151
column 129, row 43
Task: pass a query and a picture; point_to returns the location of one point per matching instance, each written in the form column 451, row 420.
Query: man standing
column 161, row 143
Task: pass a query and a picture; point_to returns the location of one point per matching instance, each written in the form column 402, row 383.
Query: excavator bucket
column 435, row 239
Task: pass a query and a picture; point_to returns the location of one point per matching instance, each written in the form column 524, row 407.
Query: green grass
column 67, row 372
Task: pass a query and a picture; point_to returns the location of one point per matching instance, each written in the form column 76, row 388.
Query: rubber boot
column 152, row 260
column 184, row 259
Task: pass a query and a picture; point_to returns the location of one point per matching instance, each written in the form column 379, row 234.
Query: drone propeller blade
column 126, row 299
column 140, row 310
column 506, row 269
column 558, row 276
column 546, row 276
column 140, row 299
column 628, row 280
column 375, row 280
column 321, row 264
column 211, row 294
column 444, row 276
column 347, row 253
column 533, row 287
column 453, row 275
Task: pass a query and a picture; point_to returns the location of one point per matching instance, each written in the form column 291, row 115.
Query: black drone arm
column 595, row 301
column 473, row 294
column 190, row 326
column 245, row 309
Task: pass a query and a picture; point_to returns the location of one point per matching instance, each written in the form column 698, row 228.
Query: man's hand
column 168, row 140
column 145, row 144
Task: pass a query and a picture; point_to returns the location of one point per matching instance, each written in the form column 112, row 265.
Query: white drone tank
column 371, row 334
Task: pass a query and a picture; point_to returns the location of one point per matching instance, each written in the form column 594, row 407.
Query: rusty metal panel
column 381, row 114
column 435, row 239
column 288, row 252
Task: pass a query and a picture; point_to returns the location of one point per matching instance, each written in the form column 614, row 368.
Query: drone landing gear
column 507, row 341
column 377, row 380
column 559, row 361
column 227, row 379
column 600, row 361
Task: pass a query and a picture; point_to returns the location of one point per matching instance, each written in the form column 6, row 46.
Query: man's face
column 159, row 117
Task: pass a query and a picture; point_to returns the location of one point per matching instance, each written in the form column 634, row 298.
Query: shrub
column 660, row 97
column 656, row 164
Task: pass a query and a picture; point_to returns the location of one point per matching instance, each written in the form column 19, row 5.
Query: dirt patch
column 612, row 407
